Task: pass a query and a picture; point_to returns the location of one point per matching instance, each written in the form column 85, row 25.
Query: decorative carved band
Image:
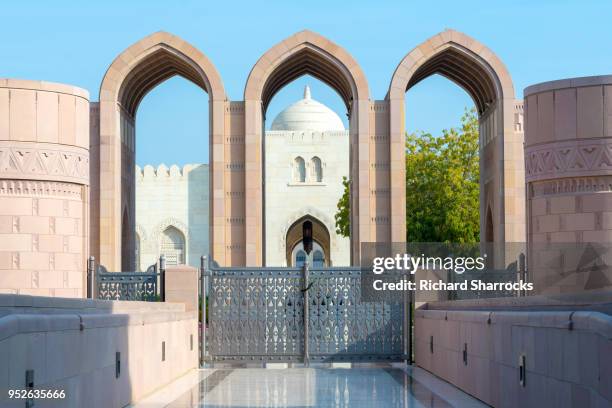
column 571, row 186
column 379, row 138
column 234, row 139
column 379, row 106
column 235, row 107
column 41, row 188
column 235, row 220
column 234, row 166
column 574, row 158
column 235, row 194
column 42, row 161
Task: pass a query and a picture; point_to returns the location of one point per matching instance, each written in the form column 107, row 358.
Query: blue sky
column 75, row 41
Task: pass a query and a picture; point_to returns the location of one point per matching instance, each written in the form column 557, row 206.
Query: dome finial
column 306, row 92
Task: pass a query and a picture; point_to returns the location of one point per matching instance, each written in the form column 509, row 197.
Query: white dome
column 307, row 114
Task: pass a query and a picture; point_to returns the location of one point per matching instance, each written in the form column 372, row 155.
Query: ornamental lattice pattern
column 257, row 314
column 140, row 286
column 343, row 328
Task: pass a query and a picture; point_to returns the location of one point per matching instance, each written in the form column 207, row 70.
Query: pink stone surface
column 43, row 188
column 81, row 359
column 568, row 168
column 565, row 368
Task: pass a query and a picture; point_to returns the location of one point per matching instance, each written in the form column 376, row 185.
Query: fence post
column 306, row 315
column 96, row 284
column 91, row 265
column 203, row 273
column 407, row 322
column 162, row 277
column 522, row 270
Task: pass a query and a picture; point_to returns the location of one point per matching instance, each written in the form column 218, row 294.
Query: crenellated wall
column 172, row 197
column 44, row 188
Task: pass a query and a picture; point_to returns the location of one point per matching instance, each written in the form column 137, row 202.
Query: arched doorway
column 130, row 77
column 320, row 254
column 483, row 76
column 172, row 246
column 306, row 53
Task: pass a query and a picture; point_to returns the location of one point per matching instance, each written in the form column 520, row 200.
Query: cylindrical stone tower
column 44, row 188
column 568, row 160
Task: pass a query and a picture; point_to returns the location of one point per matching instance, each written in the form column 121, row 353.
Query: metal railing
column 140, row 286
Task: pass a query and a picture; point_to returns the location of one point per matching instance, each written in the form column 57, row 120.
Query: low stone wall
column 72, row 345
column 567, row 355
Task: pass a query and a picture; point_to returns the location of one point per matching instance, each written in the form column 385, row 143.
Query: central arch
column 320, row 235
column 484, row 77
column 305, row 53
column 135, row 72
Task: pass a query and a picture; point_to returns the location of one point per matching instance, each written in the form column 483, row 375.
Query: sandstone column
column 44, row 188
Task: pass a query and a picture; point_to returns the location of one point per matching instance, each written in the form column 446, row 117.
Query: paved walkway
column 310, row 387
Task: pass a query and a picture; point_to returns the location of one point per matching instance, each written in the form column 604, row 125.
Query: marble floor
column 310, row 387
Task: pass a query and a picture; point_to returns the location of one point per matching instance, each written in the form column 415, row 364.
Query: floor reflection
column 310, row 387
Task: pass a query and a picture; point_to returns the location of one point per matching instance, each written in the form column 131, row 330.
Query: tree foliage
column 343, row 213
column 442, row 184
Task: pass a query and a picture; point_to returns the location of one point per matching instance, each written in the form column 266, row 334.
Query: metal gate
column 298, row 315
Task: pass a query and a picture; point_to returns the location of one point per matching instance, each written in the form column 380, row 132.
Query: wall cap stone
column 567, row 83
column 595, row 322
column 13, row 83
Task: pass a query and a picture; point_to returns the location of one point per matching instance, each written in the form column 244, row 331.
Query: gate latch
column 307, row 287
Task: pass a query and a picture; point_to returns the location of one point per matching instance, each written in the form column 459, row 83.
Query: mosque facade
column 307, row 156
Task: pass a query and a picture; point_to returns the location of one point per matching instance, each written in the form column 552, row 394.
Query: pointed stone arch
column 477, row 70
column 312, row 212
column 135, row 72
column 460, row 58
column 304, row 53
column 321, row 235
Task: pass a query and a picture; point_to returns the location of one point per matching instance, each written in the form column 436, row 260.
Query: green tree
column 343, row 213
column 442, row 184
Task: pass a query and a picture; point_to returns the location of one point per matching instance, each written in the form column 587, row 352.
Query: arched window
column 317, row 169
column 173, row 246
column 318, row 260
column 300, row 258
column 299, row 171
